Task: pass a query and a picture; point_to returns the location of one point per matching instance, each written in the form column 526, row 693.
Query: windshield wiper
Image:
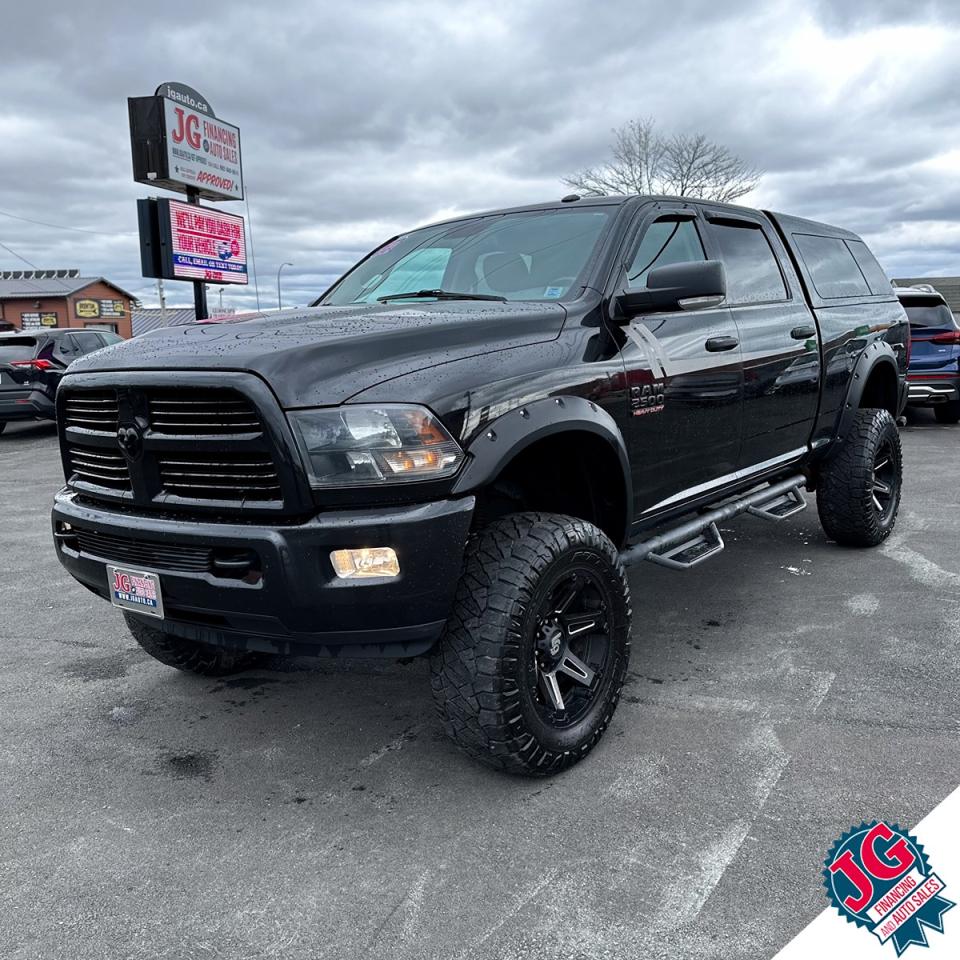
column 439, row 295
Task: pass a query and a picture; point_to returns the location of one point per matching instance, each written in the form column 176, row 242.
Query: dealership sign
column 99, row 309
column 178, row 143
column 183, row 241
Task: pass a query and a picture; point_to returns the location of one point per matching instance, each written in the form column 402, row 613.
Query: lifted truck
column 456, row 448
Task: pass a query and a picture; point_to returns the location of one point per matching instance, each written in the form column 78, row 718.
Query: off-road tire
column 948, row 412
column 188, row 655
column 845, row 492
column 479, row 667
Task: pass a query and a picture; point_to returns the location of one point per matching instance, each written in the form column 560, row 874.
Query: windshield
column 929, row 315
column 537, row 255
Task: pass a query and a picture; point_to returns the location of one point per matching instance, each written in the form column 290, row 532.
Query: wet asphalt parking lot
column 777, row 695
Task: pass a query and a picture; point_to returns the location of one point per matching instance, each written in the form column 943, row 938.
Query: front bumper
column 26, row 404
column 923, row 392
column 288, row 599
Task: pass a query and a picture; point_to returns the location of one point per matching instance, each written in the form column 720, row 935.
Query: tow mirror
column 695, row 285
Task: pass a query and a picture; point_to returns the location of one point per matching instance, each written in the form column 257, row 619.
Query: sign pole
column 199, row 287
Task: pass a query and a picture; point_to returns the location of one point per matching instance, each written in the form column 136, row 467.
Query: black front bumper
column 289, row 601
column 25, row 404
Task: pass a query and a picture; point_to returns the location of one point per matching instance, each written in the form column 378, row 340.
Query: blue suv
column 934, row 373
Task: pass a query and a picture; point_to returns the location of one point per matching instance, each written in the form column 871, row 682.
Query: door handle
column 719, row 344
column 803, row 333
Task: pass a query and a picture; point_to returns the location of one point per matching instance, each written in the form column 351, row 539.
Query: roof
column 145, row 319
column 794, row 223
column 947, row 287
column 38, row 332
column 53, row 287
column 919, row 293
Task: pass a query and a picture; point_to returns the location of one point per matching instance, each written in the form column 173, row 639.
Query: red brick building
column 32, row 299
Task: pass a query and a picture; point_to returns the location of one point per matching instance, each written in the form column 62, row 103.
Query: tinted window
column 926, row 314
column 876, row 279
column 88, row 341
column 665, row 242
column 753, row 273
column 67, row 349
column 17, row 348
column 533, row 255
column 832, row 268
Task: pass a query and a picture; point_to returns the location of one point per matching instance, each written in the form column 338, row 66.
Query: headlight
column 387, row 443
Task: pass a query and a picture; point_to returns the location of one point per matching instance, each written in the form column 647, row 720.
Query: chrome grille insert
column 97, row 411
column 100, row 467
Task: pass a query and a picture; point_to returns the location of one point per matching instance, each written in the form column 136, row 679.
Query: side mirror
column 680, row 286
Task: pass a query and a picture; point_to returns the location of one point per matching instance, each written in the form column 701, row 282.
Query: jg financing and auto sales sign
column 202, row 151
column 179, row 143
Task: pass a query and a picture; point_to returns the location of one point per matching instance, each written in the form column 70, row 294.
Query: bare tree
column 685, row 165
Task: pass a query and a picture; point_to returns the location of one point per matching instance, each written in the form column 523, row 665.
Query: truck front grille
column 100, row 467
column 172, row 448
column 222, row 476
column 93, row 410
column 210, row 413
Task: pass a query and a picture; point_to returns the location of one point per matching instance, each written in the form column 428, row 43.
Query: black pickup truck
column 455, row 450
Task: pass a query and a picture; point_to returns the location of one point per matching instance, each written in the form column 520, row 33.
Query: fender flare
column 510, row 434
column 876, row 354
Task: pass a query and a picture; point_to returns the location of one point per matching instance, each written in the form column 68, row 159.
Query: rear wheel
column 858, row 495
column 529, row 671
column 948, row 412
column 188, row 655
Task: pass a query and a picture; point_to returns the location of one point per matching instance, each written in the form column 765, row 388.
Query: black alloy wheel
column 571, row 646
column 530, row 667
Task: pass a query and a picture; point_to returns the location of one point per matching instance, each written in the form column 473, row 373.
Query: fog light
column 366, row 562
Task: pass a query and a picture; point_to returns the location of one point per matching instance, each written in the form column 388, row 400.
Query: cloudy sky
column 364, row 118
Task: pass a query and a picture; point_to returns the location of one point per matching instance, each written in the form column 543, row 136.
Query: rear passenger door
column 683, row 372
column 778, row 337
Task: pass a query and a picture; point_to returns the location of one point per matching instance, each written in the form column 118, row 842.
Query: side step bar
column 699, row 539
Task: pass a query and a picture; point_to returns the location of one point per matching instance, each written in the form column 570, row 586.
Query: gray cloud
column 360, row 120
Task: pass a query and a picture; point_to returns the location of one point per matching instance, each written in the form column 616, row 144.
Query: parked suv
column 934, row 374
column 455, row 450
column 31, row 365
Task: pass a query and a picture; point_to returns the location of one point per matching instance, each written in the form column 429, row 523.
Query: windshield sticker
column 553, row 292
column 388, row 246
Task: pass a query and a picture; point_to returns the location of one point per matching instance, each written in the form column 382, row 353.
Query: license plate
column 136, row 590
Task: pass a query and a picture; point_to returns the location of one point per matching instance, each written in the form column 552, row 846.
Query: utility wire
column 17, row 255
column 60, row 226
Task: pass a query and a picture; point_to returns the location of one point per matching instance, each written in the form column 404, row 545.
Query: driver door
column 684, row 373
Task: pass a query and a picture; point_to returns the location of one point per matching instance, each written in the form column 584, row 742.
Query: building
column 947, row 287
column 152, row 318
column 30, row 299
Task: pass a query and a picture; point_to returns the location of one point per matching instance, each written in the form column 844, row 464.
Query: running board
column 786, row 505
column 699, row 539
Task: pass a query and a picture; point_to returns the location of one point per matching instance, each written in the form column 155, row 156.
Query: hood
column 324, row 355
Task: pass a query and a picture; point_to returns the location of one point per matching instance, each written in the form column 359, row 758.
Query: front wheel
column 948, row 412
column 529, row 671
column 188, row 655
column 858, row 495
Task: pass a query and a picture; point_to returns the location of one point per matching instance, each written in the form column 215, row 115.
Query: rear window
column 17, row 348
column 832, row 268
column 927, row 314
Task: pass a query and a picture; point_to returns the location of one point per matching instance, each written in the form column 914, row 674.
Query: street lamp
column 282, row 265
